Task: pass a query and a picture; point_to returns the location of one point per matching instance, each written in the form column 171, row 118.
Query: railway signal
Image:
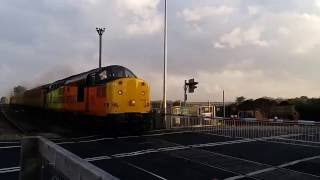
column 190, row 86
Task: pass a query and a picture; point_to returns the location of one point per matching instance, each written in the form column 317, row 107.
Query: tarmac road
column 187, row 155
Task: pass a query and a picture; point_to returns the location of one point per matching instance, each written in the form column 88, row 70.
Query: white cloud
column 238, row 37
column 299, row 33
column 218, row 45
column 317, row 3
column 283, row 31
column 254, row 10
column 142, row 15
column 199, row 13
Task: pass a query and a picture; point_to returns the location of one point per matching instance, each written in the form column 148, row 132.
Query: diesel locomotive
column 111, row 92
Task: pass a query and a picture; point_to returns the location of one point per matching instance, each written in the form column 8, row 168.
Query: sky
column 250, row 48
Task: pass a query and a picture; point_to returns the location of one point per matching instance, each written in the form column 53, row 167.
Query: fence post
column 30, row 162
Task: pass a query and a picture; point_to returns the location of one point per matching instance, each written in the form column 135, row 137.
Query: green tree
column 240, row 99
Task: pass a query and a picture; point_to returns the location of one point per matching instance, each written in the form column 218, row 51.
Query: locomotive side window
column 80, row 95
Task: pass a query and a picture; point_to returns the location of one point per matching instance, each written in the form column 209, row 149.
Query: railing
column 284, row 131
column 41, row 159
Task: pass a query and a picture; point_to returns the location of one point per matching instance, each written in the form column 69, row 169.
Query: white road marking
column 10, row 169
column 97, row 158
column 144, row 170
column 121, row 137
column 168, row 133
column 299, row 161
column 206, row 164
column 76, row 138
column 278, row 167
column 311, row 142
column 165, row 149
column 8, row 147
column 293, row 144
column 10, row 142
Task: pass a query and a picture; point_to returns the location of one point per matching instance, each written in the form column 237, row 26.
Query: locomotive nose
column 131, row 95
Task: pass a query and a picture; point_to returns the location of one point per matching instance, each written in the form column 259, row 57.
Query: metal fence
column 285, row 131
column 41, row 159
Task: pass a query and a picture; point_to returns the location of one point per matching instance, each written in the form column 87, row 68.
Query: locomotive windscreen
column 110, row 73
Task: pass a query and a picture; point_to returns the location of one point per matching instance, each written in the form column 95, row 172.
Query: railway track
column 12, row 123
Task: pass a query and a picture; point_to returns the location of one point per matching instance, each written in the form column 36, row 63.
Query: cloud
column 254, row 10
column 238, row 37
column 296, row 32
column 200, row 13
column 317, row 3
column 143, row 16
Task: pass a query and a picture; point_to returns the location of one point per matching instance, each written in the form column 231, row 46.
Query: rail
column 284, row 131
column 11, row 122
column 42, row 159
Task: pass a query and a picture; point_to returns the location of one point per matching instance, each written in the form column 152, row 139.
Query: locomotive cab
column 118, row 91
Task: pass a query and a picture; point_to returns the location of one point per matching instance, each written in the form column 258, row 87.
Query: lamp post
column 164, row 100
column 224, row 105
column 100, row 32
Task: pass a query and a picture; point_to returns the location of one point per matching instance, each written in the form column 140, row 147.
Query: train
column 111, row 93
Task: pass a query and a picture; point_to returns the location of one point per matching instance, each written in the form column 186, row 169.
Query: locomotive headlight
column 132, row 102
column 120, row 92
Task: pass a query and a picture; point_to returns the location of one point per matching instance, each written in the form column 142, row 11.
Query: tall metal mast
column 164, row 100
column 100, row 32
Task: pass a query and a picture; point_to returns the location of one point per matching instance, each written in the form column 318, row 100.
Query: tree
column 240, row 99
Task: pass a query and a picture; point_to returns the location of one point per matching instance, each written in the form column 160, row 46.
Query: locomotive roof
column 84, row 75
column 39, row 87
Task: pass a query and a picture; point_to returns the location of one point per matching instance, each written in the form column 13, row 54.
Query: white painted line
column 235, row 177
column 163, row 149
column 278, row 167
column 173, row 148
column 298, row 161
column 8, row 147
column 293, row 144
column 97, row 158
column 168, row 133
column 10, row 142
column 126, row 137
column 261, row 171
column 311, row 142
column 75, row 138
column 151, row 173
column 122, row 137
column 206, row 164
column 86, row 141
column 10, row 169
